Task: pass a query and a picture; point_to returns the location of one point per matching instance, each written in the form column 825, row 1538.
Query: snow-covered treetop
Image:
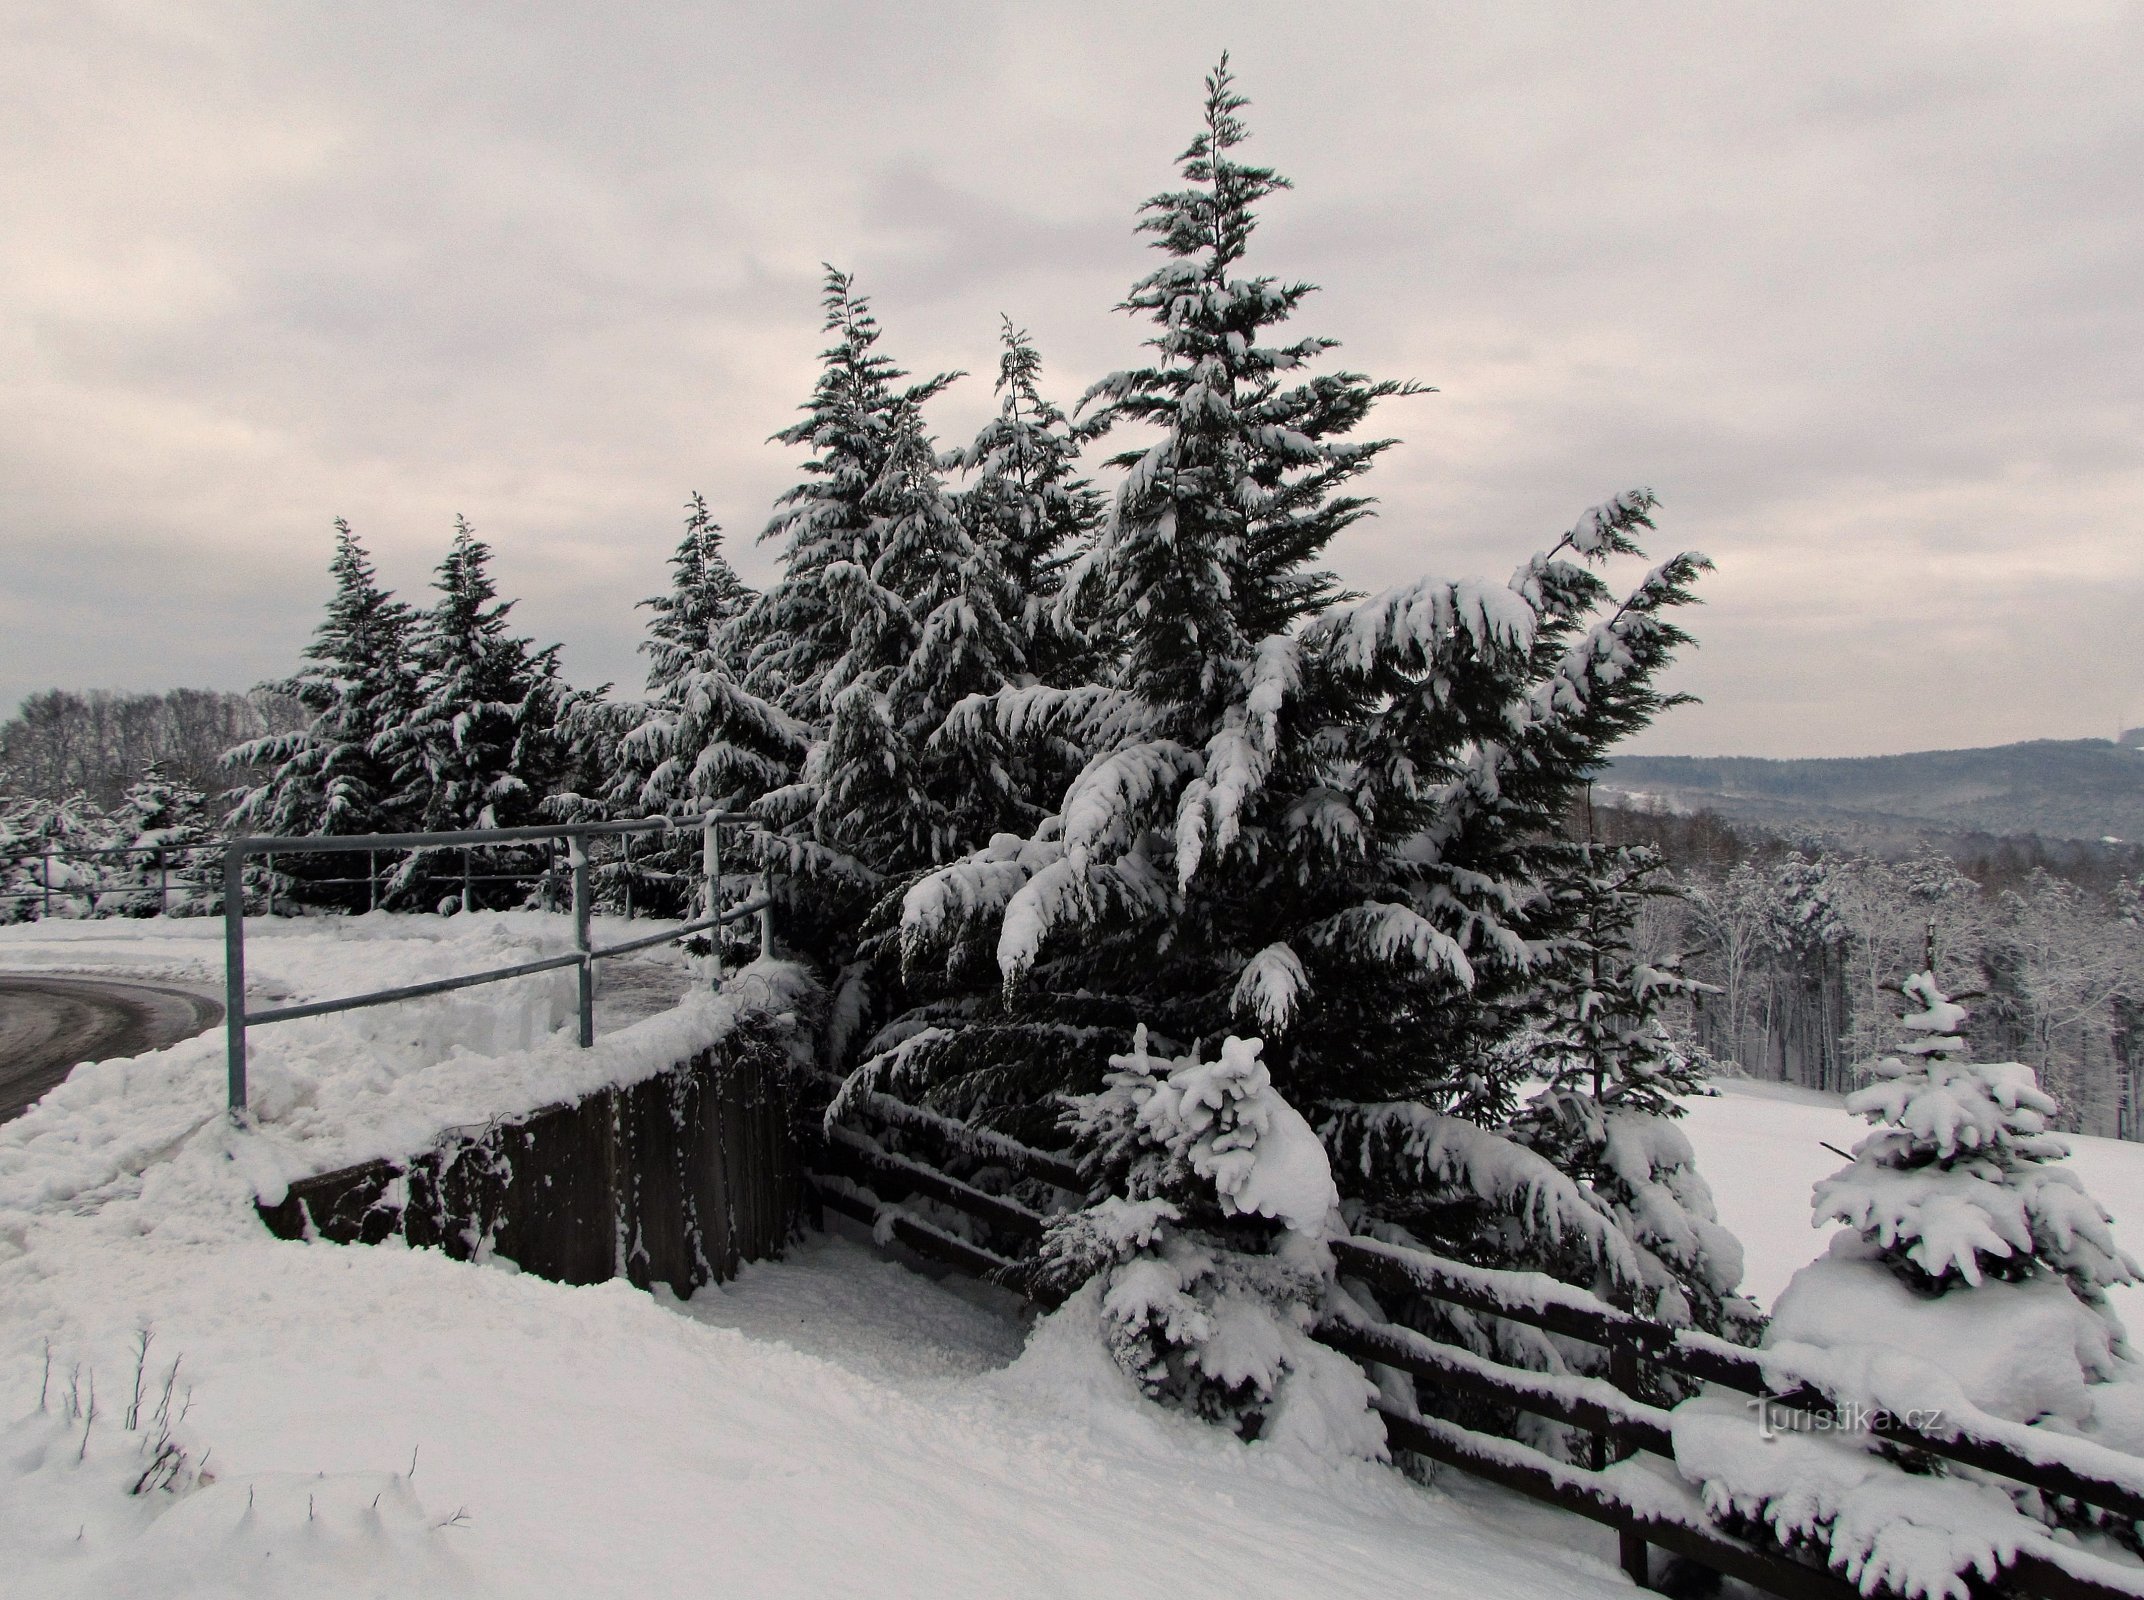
column 1211, row 543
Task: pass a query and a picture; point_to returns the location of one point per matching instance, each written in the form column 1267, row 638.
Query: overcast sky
column 1857, row 289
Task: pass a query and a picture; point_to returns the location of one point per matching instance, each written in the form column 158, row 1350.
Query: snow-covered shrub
column 1211, row 1246
column 1968, row 1288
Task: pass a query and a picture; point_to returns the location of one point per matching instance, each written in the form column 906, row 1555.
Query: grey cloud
column 1854, row 288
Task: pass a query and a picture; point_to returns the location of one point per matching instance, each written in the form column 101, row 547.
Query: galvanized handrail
column 585, row 954
column 89, row 892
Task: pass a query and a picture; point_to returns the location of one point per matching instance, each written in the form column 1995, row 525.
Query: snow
column 831, row 1423
column 2018, row 1350
column 329, row 1092
column 1224, row 1119
column 1914, row 1534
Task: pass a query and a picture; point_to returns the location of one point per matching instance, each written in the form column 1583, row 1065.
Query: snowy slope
column 833, row 1425
column 600, row 1441
column 828, row 1425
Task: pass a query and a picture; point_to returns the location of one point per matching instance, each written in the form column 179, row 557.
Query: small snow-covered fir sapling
column 1959, row 1183
column 1971, row 1278
column 1211, row 1249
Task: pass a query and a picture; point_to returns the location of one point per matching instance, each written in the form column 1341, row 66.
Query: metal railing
column 237, row 1019
column 163, row 857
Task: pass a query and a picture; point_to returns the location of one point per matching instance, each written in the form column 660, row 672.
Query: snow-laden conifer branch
column 1404, row 1147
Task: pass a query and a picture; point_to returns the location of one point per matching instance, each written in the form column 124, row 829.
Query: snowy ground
column 831, row 1424
column 828, row 1425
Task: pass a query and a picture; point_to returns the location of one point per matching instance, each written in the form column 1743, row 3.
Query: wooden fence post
column 711, row 869
column 1624, row 1371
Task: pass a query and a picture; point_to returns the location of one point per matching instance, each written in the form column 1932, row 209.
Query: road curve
column 50, row 1024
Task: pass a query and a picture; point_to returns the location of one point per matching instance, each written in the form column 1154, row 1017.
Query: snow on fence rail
column 584, row 956
column 97, row 886
column 1647, row 1504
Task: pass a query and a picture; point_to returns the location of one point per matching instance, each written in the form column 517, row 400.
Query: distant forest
column 99, row 743
column 1799, row 936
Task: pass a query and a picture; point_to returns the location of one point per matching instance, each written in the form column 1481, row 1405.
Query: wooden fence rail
column 1648, row 1506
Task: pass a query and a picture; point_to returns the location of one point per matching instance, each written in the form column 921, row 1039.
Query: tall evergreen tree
column 1028, row 504
column 931, row 619
column 798, row 628
column 1144, row 897
column 700, row 741
column 703, row 741
column 485, row 742
column 1333, row 823
column 333, row 776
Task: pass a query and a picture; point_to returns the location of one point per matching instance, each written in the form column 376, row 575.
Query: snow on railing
column 237, row 1019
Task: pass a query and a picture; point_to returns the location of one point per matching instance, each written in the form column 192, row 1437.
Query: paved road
column 49, row 1024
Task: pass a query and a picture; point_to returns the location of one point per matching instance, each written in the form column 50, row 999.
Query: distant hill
column 2058, row 788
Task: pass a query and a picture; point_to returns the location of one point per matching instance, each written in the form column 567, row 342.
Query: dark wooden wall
column 676, row 1180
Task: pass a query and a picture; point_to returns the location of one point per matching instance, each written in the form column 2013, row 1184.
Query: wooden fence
column 855, row 1175
column 676, row 1179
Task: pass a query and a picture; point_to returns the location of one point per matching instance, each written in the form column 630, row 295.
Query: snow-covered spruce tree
column 798, row 630
column 1330, row 834
column 933, row 620
column 896, row 788
column 21, row 863
column 1615, row 1078
column 334, row 775
column 800, row 638
column 700, row 741
column 160, row 814
column 1959, row 1185
column 1971, row 1277
column 1027, row 503
column 1210, row 1248
column 1191, row 744
column 49, row 868
column 485, row 742
column 1335, row 824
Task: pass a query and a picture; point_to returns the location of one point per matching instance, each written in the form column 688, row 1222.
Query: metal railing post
column 271, row 886
column 234, row 974
column 467, row 904
column 372, row 880
column 583, row 910
column 625, row 870
column 711, row 869
column 163, row 884
column 766, row 916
